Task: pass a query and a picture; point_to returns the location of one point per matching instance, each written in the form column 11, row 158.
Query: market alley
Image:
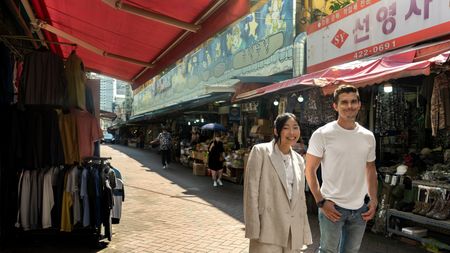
column 172, row 210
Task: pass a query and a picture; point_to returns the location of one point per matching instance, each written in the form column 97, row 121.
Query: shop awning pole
column 31, row 16
column 43, row 25
column 13, row 8
column 118, row 4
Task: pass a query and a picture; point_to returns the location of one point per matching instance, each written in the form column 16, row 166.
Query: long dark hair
column 279, row 122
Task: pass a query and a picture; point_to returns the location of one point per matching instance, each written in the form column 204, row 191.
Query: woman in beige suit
column 274, row 196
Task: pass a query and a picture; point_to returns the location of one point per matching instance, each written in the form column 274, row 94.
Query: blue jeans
column 345, row 235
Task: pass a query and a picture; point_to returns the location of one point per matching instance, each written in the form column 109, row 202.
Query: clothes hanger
column 74, row 49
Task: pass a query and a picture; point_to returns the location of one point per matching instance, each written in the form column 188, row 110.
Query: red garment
column 18, row 72
column 88, row 132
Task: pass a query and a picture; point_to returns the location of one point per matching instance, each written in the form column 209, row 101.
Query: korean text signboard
column 370, row 27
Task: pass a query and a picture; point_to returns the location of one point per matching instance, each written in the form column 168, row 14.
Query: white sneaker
column 215, row 184
column 164, row 167
column 219, row 182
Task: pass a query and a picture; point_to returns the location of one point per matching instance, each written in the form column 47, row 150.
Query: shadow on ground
column 227, row 198
column 43, row 241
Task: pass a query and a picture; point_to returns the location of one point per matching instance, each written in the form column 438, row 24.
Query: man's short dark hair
column 344, row 88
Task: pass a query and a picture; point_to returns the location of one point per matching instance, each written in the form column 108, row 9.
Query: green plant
column 339, row 4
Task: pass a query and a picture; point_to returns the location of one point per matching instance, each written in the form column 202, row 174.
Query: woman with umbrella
column 215, row 159
column 216, row 154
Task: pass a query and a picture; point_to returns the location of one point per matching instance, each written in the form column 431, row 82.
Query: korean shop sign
column 370, row 27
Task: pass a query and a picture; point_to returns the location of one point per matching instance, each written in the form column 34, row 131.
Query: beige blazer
column 268, row 213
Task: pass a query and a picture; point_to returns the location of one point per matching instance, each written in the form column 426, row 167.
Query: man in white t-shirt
column 346, row 152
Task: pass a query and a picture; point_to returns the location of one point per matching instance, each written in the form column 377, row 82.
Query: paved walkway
column 174, row 211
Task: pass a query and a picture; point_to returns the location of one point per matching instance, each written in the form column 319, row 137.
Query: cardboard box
column 199, row 169
column 261, row 129
column 263, row 122
column 198, row 156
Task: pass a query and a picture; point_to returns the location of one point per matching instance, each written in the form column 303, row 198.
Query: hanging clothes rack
column 18, row 37
column 11, row 47
column 97, row 158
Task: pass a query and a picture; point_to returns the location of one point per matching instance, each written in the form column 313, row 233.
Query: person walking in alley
column 346, row 152
column 274, row 192
column 165, row 144
column 216, row 156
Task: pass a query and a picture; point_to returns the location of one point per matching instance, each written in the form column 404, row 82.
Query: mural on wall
column 259, row 45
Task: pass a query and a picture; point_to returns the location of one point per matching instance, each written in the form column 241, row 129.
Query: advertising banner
column 259, row 45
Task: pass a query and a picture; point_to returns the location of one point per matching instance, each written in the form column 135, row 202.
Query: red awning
column 125, row 34
column 397, row 64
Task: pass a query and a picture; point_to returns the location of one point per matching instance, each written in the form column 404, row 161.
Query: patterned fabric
column 329, row 114
column 445, row 95
column 437, row 105
column 165, row 141
column 440, row 104
column 442, row 139
column 316, row 109
column 391, row 111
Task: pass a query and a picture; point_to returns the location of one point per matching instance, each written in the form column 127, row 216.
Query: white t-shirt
column 118, row 198
column 47, row 198
column 344, row 156
column 72, row 187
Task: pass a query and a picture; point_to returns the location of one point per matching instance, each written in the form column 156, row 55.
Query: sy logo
column 339, row 39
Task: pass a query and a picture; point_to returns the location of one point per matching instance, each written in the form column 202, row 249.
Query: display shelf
column 433, row 225
column 419, row 219
column 432, row 184
column 400, row 233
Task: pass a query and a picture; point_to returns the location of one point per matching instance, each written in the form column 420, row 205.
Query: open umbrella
column 214, row 127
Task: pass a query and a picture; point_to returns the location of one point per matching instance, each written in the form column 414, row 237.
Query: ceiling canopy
column 132, row 40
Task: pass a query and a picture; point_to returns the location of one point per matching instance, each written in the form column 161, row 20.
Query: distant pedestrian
column 195, row 137
column 165, row 145
column 216, row 156
column 274, row 193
